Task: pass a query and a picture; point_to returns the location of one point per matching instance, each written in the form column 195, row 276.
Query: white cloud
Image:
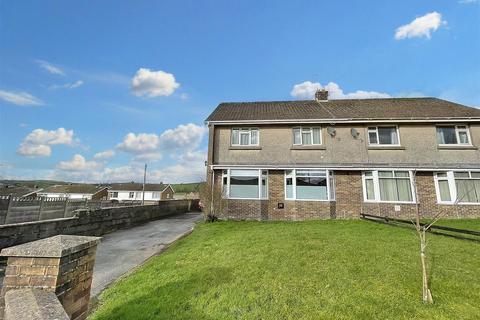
column 72, row 85
column 20, row 98
column 104, row 154
column 185, row 136
column 139, row 143
column 420, row 27
column 307, row 89
column 149, row 146
column 38, row 142
column 153, row 83
column 148, row 157
column 78, row 163
column 50, row 67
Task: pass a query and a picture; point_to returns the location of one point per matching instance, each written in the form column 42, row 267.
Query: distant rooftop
column 348, row 109
column 137, row 186
column 74, row 188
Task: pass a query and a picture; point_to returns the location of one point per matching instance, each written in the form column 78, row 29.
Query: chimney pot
column 321, row 95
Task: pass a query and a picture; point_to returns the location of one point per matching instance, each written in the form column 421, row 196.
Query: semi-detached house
column 321, row 158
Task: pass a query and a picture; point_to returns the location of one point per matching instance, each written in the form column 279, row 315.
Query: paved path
column 123, row 250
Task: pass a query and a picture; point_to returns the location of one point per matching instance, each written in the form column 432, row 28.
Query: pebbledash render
column 324, row 159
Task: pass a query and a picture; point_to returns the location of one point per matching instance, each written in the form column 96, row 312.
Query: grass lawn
column 301, row 270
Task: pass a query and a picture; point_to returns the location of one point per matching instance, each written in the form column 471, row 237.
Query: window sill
column 456, row 147
column 245, row 148
column 386, row 147
column 389, row 202
column 319, row 147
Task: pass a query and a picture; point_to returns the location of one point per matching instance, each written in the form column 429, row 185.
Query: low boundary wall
column 94, row 222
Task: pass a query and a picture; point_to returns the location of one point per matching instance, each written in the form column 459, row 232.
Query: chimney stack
column 321, row 95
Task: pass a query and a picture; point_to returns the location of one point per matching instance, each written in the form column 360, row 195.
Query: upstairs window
column 308, row 185
column 448, row 135
column 383, row 135
column 458, row 187
column 387, row 186
column 245, row 137
column 245, row 184
column 113, row 194
column 307, row 136
column 155, row 195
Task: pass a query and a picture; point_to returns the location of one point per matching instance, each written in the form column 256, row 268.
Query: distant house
column 18, row 191
column 133, row 191
column 75, row 191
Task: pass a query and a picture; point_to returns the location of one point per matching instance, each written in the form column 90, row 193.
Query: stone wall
column 92, row 222
column 348, row 202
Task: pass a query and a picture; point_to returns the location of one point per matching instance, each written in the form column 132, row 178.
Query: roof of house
column 74, row 188
column 348, row 109
column 17, row 191
column 137, row 186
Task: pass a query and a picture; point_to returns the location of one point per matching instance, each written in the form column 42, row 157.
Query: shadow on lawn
column 174, row 300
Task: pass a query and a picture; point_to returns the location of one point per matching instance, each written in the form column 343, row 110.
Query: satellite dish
column 354, row 133
column 331, row 131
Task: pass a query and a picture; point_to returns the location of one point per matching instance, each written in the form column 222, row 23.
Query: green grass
column 301, row 270
column 187, row 187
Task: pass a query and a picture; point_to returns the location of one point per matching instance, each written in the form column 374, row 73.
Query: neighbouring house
column 75, row 191
column 321, row 158
column 133, row 191
column 19, row 190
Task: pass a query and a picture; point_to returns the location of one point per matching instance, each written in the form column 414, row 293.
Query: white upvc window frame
column 131, row 195
column 375, row 129
column 329, row 179
column 458, row 128
column 452, row 187
column 376, row 187
column 244, row 131
column 226, row 174
column 306, row 130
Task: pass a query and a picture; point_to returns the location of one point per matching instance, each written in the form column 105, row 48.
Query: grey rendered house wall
column 418, row 147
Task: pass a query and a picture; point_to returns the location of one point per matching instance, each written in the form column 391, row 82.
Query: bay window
column 388, row 186
column 245, row 137
column 245, row 184
column 307, row 136
column 383, row 135
column 452, row 135
column 461, row 187
column 308, row 185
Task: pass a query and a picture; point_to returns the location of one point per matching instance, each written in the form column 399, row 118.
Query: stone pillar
column 61, row 264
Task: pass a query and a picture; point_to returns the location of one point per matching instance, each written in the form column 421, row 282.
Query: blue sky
column 89, row 91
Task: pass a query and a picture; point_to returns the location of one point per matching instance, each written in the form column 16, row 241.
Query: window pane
column 235, row 136
column 316, row 135
column 244, row 138
column 387, row 135
column 368, row 173
column 311, row 173
column 243, row 172
column 370, row 191
column 404, row 190
column 466, row 191
column 243, row 187
column 388, row 190
column 296, row 136
column 441, row 175
column 463, row 137
column 306, row 138
column 401, row 174
column 475, row 174
column 444, row 190
column 289, row 188
column 264, row 188
column 254, row 137
column 446, row 135
column 311, row 188
column 461, row 175
column 372, row 137
column 385, row 173
column 332, row 186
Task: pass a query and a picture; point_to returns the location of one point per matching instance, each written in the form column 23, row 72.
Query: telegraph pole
column 144, row 180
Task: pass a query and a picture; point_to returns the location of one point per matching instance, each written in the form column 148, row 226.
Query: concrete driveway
column 123, row 250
